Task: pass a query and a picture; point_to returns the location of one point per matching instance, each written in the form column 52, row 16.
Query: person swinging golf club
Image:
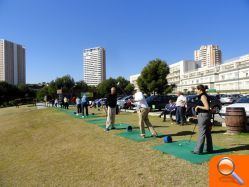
column 111, row 103
column 143, row 111
column 204, row 121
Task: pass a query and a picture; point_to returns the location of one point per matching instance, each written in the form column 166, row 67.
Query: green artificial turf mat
column 182, row 149
column 98, row 121
column 135, row 135
column 71, row 113
column 117, row 126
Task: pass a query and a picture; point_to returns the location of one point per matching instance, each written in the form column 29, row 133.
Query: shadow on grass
column 217, row 132
column 242, row 147
column 160, row 126
column 182, row 133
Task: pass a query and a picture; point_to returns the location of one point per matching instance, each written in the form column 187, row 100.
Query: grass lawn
column 50, row 148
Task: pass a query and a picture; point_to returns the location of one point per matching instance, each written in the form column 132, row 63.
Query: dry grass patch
column 50, row 148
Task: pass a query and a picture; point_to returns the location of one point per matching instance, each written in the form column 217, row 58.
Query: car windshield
column 243, row 100
column 224, row 96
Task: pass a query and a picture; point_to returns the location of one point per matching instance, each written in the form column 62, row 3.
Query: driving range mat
column 135, row 135
column 182, row 149
column 98, row 121
column 73, row 114
column 117, row 126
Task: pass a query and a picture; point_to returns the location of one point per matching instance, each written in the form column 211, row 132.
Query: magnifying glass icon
column 226, row 167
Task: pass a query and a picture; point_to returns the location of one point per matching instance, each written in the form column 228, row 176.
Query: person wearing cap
column 111, row 102
column 143, row 112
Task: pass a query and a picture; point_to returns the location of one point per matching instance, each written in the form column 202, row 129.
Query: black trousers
column 84, row 108
column 66, row 105
column 78, row 108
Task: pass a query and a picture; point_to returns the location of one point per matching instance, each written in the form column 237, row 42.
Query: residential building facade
column 177, row 70
column 133, row 80
column 12, row 62
column 208, row 55
column 230, row 77
column 94, row 65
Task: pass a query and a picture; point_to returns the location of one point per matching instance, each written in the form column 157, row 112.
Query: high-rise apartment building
column 208, row 55
column 12, row 62
column 94, row 65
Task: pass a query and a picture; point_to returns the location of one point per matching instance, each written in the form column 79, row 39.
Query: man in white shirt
column 180, row 108
column 143, row 111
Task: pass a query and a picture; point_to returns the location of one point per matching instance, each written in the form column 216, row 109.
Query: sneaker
column 107, row 130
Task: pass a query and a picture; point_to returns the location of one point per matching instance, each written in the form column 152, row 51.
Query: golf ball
column 180, row 144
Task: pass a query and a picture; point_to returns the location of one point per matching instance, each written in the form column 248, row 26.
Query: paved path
column 40, row 105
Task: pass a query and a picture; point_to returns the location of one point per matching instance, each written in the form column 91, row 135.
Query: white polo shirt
column 140, row 100
column 181, row 101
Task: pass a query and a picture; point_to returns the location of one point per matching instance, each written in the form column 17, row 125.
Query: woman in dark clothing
column 204, row 122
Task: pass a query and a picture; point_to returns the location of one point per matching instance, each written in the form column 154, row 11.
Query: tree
column 79, row 87
column 129, row 88
column 94, row 90
column 122, row 84
column 170, row 88
column 66, row 83
column 41, row 93
column 105, row 86
column 8, row 92
column 153, row 77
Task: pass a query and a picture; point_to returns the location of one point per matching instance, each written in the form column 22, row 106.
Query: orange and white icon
column 229, row 171
column 226, row 167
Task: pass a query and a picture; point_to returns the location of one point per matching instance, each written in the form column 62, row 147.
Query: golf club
column 190, row 137
column 192, row 133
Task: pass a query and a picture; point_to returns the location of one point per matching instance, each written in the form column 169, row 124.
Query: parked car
column 228, row 99
column 159, row 101
column 241, row 102
column 192, row 101
column 121, row 102
column 103, row 101
column 128, row 104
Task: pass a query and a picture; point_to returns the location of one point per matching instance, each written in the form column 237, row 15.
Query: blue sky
column 55, row 32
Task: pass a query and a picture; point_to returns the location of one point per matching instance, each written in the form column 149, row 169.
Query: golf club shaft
column 192, row 133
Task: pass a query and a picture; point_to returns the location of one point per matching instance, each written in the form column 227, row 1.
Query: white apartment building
column 178, row 69
column 208, row 55
column 230, row 77
column 12, row 62
column 133, row 80
column 94, row 65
